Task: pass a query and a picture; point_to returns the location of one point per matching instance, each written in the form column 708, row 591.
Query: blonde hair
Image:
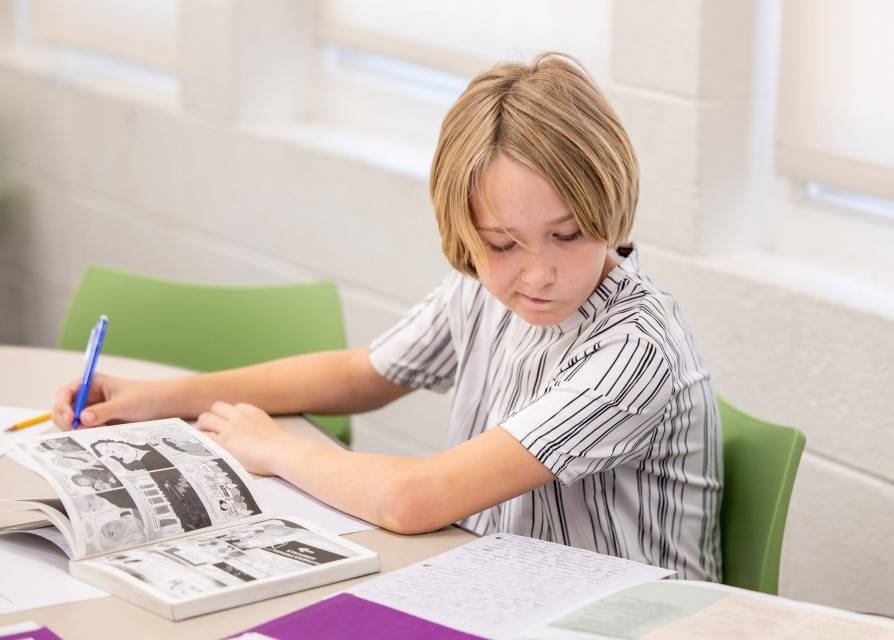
column 551, row 116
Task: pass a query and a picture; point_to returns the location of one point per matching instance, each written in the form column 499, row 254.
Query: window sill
column 100, row 74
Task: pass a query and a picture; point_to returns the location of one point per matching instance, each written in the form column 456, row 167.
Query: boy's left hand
column 250, row 434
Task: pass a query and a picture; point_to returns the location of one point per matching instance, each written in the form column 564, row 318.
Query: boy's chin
column 541, row 318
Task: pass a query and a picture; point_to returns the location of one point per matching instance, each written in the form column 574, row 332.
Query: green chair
column 760, row 462
column 206, row 327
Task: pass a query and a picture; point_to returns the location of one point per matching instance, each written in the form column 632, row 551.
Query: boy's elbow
column 410, row 507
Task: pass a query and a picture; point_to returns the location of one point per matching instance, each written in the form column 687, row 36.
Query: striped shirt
column 615, row 400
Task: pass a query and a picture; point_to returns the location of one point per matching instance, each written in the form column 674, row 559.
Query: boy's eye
column 570, row 237
column 499, row 248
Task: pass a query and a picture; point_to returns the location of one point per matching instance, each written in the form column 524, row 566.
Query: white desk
column 29, row 377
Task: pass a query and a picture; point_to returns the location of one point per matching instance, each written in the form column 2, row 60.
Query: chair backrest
column 760, row 462
column 206, row 327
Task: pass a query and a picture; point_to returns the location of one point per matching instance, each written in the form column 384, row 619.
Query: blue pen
column 94, row 346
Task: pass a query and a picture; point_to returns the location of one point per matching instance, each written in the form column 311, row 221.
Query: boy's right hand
column 111, row 400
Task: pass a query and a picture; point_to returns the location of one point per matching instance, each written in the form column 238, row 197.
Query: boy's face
column 539, row 263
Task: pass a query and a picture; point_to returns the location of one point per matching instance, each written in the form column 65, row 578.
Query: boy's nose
column 538, row 271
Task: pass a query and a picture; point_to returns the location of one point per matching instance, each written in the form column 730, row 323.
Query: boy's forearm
column 324, row 382
column 386, row 490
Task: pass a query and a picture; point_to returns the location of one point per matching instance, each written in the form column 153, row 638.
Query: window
column 407, row 63
column 143, row 32
column 462, row 36
column 835, row 122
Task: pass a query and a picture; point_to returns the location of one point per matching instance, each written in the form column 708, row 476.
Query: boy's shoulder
column 627, row 283
column 632, row 305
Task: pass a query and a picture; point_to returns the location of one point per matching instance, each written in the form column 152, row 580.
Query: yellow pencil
column 29, row 422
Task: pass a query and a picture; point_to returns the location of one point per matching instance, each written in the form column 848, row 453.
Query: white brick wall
column 217, row 188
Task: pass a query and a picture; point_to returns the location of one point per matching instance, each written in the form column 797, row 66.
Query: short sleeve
column 418, row 352
column 604, row 408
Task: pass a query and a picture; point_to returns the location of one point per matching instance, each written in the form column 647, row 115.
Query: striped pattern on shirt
column 615, row 401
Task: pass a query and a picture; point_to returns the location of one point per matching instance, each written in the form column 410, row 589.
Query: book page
column 44, row 518
column 138, row 483
column 287, row 499
column 54, row 535
column 203, row 564
column 501, row 583
column 681, row 610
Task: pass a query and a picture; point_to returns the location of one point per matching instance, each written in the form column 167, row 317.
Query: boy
column 583, row 413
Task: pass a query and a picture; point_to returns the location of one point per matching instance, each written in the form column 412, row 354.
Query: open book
column 160, row 515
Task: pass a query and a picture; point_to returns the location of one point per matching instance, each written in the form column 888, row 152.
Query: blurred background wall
column 259, row 141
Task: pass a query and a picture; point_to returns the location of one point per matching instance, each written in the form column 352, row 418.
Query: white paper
column 35, row 575
column 499, row 584
column 286, row 499
column 13, row 415
column 19, row 627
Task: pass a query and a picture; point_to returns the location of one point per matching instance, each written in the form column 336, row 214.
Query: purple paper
column 38, row 634
column 347, row 617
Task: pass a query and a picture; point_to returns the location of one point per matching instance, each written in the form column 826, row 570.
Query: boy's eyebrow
column 557, row 221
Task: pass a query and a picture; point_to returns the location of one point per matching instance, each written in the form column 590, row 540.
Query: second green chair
column 760, row 461
column 206, row 327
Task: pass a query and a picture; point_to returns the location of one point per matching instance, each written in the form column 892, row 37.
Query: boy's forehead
column 485, row 217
